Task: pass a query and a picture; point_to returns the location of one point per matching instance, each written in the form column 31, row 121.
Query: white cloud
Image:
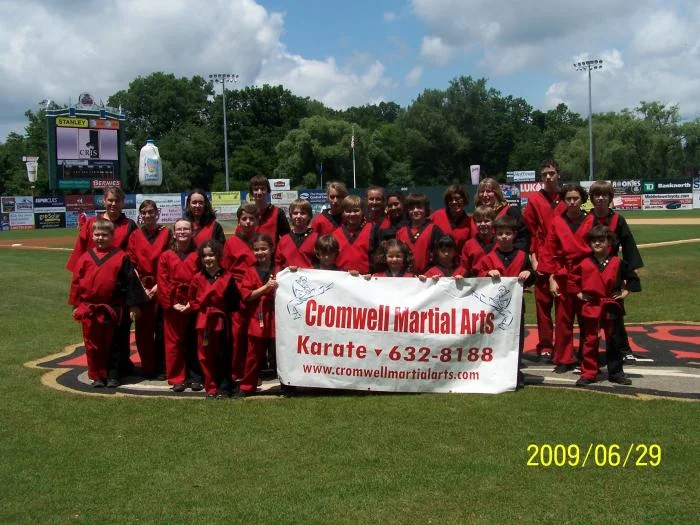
column 660, row 44
column 434, row 50
column 414, row 75
column 57, row 50
column 390, row 17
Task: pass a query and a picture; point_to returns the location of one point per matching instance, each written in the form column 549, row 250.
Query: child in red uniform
column 419, row 234
column 123, row 228
column 258, row 291
column 394, row 259
column 565, row 247
column 329, row 219
column 601, row 195
column 200, row 213
column 297, row 247
column 326, row 249
column 104, row 285
column 357, row 239
column 537, row 216
column 237, row 258
column 271, row 220
column 446, row 263
column 482, row 243
column 145, row 247
column 176, row 269
column 214, row 296
column 395, row 216
column 602, row 279
column 508, row 261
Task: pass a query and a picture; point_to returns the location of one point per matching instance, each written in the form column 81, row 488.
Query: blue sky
column 353, row 53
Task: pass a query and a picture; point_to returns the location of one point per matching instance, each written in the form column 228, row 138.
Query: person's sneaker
column 98, row 383
column 211, row 396
column 160, row 377
column 544, row 355
column 563, row 369
column 629, row 358
column 582, row 381
column 113, row 383
column 178, row 387
column 620, row 379
column 196, row 387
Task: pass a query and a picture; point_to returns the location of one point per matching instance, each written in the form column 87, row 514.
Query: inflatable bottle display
column 150, row 166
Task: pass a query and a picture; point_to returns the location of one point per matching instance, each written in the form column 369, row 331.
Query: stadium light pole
column 222, row 78
column 588, row 65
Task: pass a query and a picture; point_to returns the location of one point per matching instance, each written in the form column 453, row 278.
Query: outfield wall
column 62, row 211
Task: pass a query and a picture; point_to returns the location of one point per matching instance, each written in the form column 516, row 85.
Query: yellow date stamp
column 574, row 455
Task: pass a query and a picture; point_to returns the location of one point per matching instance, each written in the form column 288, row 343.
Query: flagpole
column 352, row 143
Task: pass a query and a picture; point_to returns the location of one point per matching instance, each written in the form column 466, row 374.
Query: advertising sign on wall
column 45, row 221
column 226, row 204
column 21, row 220
column 51, row 204
column 169, row 205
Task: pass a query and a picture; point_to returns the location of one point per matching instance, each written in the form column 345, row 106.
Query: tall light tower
column 222, row 78
column 588, row 65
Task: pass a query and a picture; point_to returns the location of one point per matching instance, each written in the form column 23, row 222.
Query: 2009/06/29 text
column 593, row 454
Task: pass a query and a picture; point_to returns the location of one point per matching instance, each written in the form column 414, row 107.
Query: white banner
column 397, row 334
column 668, row 201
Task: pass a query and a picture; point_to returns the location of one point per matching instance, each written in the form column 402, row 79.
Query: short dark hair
column 148, row 202
column 247, row 207
column 505, row 222
column 303, row 205
column 418, row 199
column 549, row 163
column 327, row 244
column 602, row 187
column 600, row 231
column 259, row 180
column 216, row 247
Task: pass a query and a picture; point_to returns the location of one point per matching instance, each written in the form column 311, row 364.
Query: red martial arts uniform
column 202, row 233
column 565, row 247
column 261, row 325
column 175, row 273
column 144, row 250
column 103, row 287
column 599, row 282
column 422, row 244
column 537, row 216
column 237, row 258
column 355, row 249
column 460, row 229
column 296, row 249
column 123, row 228
column 273, row 223
column 441, row 271
column 472, row 253
column 325, row 223
column 214, row 298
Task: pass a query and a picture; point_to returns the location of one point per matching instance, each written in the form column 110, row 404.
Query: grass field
column 69, row 458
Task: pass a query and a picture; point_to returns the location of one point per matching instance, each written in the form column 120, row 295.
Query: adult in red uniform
column 145, row 247
column 419, row 234
column 565, row 247
column 200, row 213
column 103, row 287
column 123, row 226
column 538, row 214
column 214, row 296
column 376, row 205
column 601, row 195
column 176, row 269
column 297, row 247
column 452, row 219
column 331, row 218
column 258, row 291
column 489, row 193
column 481, row 243
column 357, row 239
column 602, row 280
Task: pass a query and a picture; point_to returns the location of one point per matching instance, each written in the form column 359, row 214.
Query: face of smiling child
column 262, row 251
column 209, row 261
column 395, row 259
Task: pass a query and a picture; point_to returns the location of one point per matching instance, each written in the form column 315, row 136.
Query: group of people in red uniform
column 203, row 305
